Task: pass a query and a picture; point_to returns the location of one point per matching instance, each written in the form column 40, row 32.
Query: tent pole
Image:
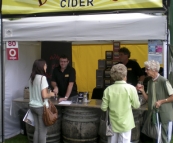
column 167, row 40
column 2, row 76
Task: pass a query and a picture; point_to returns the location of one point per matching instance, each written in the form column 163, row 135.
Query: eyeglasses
column 63, row 61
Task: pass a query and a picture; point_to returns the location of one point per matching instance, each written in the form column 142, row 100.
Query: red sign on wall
column 12, row 50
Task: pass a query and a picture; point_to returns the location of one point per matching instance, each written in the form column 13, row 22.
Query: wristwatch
column 66, row 97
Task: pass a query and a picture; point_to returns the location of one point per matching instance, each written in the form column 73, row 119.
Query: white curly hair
column 153, row 65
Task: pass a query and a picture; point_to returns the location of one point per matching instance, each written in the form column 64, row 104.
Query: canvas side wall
column 16, row 78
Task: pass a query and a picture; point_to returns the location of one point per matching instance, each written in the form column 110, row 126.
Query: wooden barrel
column 80, row 125
column 135, row 134
column 53, row 132
column 103, row 139
column 136, row 131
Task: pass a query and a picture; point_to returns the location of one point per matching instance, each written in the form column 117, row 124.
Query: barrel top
column 94, row 103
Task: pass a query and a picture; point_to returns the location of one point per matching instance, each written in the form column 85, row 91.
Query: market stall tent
column 85, row 28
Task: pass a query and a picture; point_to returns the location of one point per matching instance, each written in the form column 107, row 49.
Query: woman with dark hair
column 38, row 88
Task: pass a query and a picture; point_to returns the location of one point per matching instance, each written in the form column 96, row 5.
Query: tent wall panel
column 16, row 78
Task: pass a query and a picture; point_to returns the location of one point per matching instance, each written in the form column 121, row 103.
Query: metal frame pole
column 167, row 39
column 2, row 76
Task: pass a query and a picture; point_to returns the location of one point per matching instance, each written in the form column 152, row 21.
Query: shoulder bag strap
column 40, row 88
column 107, row 117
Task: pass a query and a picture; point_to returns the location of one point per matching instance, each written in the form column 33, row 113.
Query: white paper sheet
column 65, row 102
column 29, row 118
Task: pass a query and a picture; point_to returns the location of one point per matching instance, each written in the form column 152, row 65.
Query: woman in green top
column 119, row 98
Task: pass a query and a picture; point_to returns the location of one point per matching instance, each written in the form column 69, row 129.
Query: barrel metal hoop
column 79, row 140
column 81, row 120
column 53, row 135
column 30, row 136
column 135, row 141
column 80, row 114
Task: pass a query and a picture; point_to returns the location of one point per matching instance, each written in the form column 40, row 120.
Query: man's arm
column 139, row 72
column 55, row 88
column 141, row 78
column 69, row 89
column 68, row 92
column 53, row 82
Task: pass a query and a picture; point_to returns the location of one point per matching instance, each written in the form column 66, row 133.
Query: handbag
column 50, row 114
column 150, row 127
column 105, row 128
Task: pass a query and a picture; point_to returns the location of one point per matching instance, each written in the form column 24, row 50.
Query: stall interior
column 85, row 59
column 84, row 56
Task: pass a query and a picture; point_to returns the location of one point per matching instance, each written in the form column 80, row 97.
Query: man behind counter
column 134, row 71
column 64, row 79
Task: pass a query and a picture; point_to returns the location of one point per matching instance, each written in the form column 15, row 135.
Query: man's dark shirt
column 62, row 80
column 134, row 71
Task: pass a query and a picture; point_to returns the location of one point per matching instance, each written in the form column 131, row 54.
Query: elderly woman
column 119, row 98
column 159, row 94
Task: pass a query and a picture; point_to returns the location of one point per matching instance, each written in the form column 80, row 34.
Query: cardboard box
column 100, row 73
column 103, row 82
column 107, row 82
column 101, row 64
column 108, row 63
column 116, row 46
column 107, row 73
column 116, row 54
column 99, row 82
column 109, row 55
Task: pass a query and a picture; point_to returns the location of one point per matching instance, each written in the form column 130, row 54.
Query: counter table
column 94, row 103
column 79, row 123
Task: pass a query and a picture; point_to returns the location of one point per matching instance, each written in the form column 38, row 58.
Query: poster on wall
column 155, row 50
column 12, row 50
